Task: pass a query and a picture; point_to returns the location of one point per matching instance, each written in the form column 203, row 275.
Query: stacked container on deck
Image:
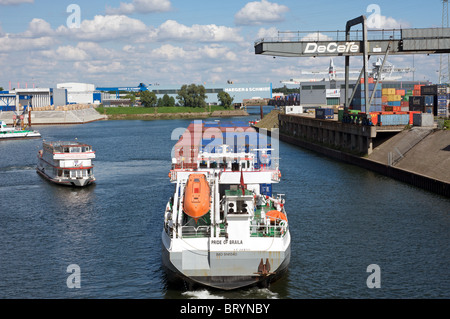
column 209, row 136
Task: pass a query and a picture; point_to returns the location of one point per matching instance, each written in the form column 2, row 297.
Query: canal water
column 342, row 219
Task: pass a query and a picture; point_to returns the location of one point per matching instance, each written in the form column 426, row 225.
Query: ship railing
column 261, row 229
column 195, row 232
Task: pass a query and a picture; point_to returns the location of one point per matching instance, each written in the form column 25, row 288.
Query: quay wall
column 353, row 144
column 431, row 184
column 69, row 117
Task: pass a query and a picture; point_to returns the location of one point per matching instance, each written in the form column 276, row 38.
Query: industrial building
column 36, row 97
column 83, row 93
column 239, row 92
column 330, row 93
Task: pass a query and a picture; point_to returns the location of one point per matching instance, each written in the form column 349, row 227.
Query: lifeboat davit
column 276, row 216
column 197, row 197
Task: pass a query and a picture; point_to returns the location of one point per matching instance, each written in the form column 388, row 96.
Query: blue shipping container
column 324, row 114
column 393, row 119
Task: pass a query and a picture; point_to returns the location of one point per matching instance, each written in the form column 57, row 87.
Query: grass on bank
column 156, row 110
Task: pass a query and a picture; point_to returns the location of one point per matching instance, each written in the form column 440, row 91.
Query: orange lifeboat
column 197, row 196
column 275, row 216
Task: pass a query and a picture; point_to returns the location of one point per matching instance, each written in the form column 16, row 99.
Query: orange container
column 370, row 80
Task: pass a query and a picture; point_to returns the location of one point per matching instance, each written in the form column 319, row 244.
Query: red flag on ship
column 243, row 186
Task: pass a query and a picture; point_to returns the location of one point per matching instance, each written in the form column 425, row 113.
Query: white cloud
column 66, row 53
column 141, row 6
column 257, row 13
column 202, row 54
column 172, row 30
column 316, row 36
column 100, row 67
column 169, row 52
column 105, row 28
column 39, row 27
column 377, row 21
column 14, row 44
column 267, row 33
column 14, row 2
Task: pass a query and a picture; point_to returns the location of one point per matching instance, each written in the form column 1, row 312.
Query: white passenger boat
column 223, row 227
column 9, row 133
column 67, row 163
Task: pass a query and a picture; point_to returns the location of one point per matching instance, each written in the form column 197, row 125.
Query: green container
column 340, row 115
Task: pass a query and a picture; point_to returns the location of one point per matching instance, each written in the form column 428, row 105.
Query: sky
column 168, row 42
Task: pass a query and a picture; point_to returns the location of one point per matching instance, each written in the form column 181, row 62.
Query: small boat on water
column 9, row 133
column 67, row 163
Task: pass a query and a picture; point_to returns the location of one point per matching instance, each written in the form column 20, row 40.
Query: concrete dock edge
column 430, row 184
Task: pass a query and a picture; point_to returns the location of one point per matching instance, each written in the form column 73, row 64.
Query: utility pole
column 444, row 70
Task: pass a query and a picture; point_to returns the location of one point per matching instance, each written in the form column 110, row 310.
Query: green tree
column 148, row 99
column 1, row 88
column 192, row 95
column 225, row 99
column 171, row 101
column 132, row 98
column 167, row 101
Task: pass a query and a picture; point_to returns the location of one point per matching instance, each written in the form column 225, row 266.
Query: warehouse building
column 239, row 92
column 80, row 93
column 19, row 98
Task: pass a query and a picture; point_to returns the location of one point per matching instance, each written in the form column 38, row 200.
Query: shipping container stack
column 396, row 100
column 293, row 99
column 359, row 98
column 433, row 99
column 288, row 100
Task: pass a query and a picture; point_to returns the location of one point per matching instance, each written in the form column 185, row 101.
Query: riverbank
column 417, row 156
column 87, row 115
column 56, row 117
column 183, row 115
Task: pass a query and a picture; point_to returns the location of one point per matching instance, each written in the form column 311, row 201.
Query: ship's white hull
column 22, row 135
column 226, row 264
column 74, row 182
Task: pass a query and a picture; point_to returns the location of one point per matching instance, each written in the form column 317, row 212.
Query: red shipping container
column 400, row 92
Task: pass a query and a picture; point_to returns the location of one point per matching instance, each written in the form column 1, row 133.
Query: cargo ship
column 224, row 228
column 11, row 133
column 66, row 163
